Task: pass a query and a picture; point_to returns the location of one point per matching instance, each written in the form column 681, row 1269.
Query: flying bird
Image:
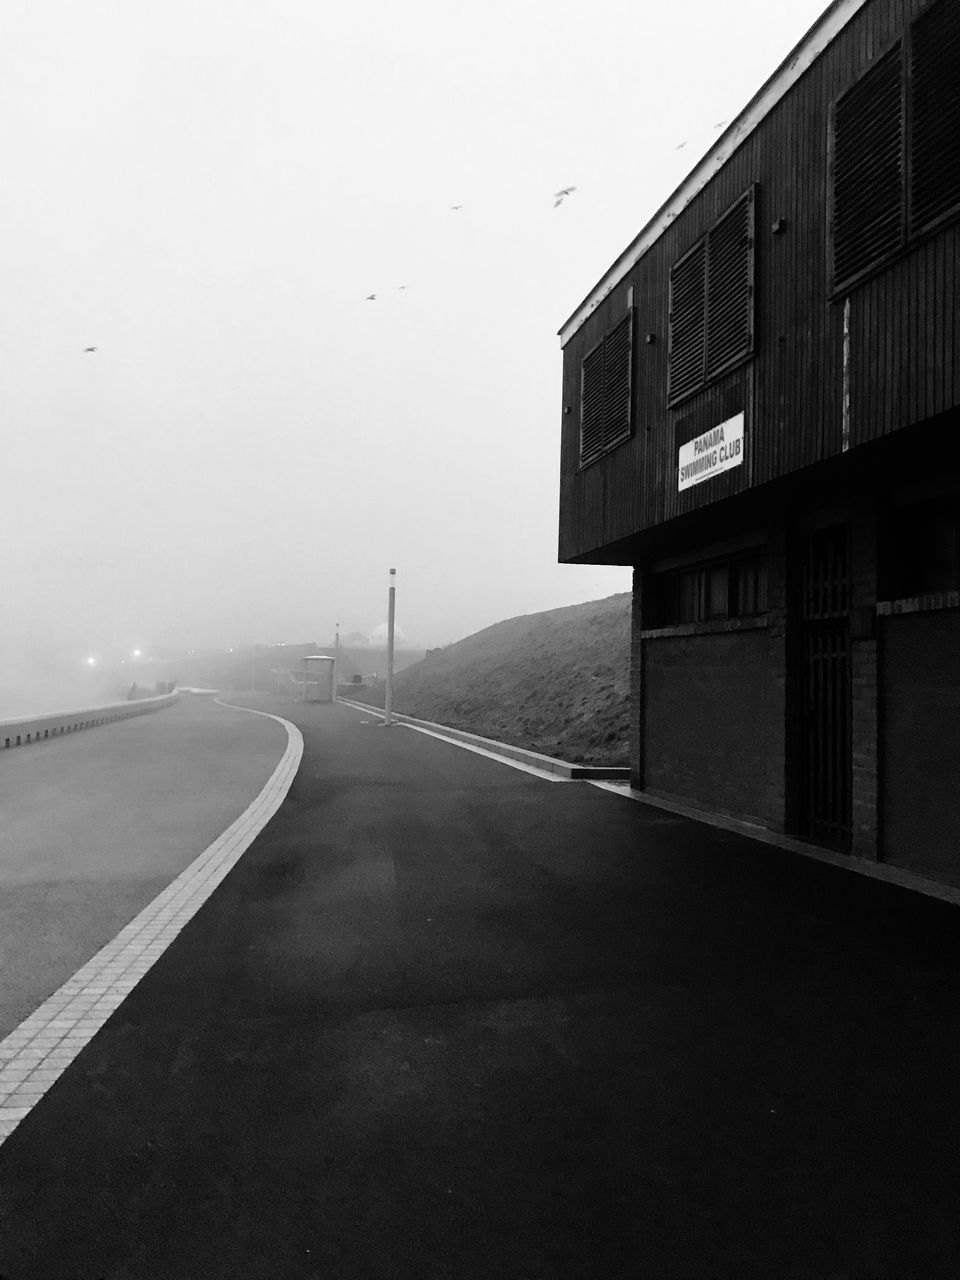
column 455, row 207
column 720, row 124
column 400, row 288
column 680, row 146
column 371, row 297
column 86, row 349
column 561, row 195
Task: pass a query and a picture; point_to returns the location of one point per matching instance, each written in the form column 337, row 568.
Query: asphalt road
column 445, row 1019
column 93, row 825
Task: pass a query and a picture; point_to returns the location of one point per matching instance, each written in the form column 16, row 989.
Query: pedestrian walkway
column 445, row 1018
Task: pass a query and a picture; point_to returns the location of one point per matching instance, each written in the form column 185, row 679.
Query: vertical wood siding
column 903, row 326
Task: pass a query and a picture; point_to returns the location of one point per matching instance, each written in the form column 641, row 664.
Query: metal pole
column 388, row 700
column 336, row 659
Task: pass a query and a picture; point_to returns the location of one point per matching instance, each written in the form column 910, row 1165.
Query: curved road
column 447, row 1019
column 95, row 824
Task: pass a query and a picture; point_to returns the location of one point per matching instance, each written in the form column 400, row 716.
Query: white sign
column 719, row 449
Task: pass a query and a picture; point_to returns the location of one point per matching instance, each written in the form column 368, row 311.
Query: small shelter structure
column 319, row 676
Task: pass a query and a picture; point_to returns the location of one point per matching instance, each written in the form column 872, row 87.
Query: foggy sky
column 207, row 191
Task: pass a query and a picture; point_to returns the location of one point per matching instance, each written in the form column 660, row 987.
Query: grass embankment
column 555, row 682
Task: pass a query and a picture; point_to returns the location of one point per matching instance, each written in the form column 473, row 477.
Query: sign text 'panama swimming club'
column 719, row 449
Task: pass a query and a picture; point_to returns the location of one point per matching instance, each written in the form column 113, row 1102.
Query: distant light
column 91, row 662
column 137, row 652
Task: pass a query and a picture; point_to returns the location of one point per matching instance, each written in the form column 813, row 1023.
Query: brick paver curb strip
column 34, row 1055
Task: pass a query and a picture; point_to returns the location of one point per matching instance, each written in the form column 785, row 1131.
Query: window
column 711, row 302
column 896, row 146
column 748, row 586
column 717, row 590
column 605, row 392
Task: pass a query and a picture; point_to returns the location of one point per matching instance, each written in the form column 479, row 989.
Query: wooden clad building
column 761, row 414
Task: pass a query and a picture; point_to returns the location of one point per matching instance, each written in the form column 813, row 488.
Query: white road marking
column 546, row 774
column 607, row 784
column 491, row 755
column 40, row 1049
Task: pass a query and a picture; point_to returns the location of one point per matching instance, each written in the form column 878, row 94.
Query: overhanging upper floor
column 794, row 302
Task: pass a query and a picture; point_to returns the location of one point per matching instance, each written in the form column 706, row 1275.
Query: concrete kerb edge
column 617, row 782
column 24, row 731
column 563, row 768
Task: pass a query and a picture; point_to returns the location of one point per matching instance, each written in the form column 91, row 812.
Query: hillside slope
column 556, row 682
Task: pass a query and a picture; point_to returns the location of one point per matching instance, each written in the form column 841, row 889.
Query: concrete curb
column 30, row 729
column 562, row 768
column 885, row 871
column 618, row 781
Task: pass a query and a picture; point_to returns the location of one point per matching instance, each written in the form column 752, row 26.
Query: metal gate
column 825, row 762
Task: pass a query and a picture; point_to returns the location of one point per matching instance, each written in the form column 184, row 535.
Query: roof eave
column 826, row 28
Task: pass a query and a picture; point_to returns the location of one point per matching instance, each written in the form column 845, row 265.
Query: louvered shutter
column 605, row 392
column 688, row 280
column 935, row 113
column 616, row 383
column 730, row 287
column 868, row 170
column 591, row 406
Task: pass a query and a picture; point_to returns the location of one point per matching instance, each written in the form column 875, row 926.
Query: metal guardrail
column 29, row 729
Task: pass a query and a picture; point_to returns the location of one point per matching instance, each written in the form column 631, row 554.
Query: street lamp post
column 388, row 697
column 336, row 660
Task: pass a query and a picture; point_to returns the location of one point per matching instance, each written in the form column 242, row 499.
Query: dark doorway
column 823, row 687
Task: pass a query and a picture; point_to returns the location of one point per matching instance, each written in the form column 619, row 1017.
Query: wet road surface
column 95, row 824
column 447, row 1019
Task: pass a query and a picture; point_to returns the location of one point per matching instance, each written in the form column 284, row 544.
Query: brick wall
column 636, row 683
column 716, row 719
column 863, row 685
column 775, row 778
column 714, row 723
column 921, row 747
